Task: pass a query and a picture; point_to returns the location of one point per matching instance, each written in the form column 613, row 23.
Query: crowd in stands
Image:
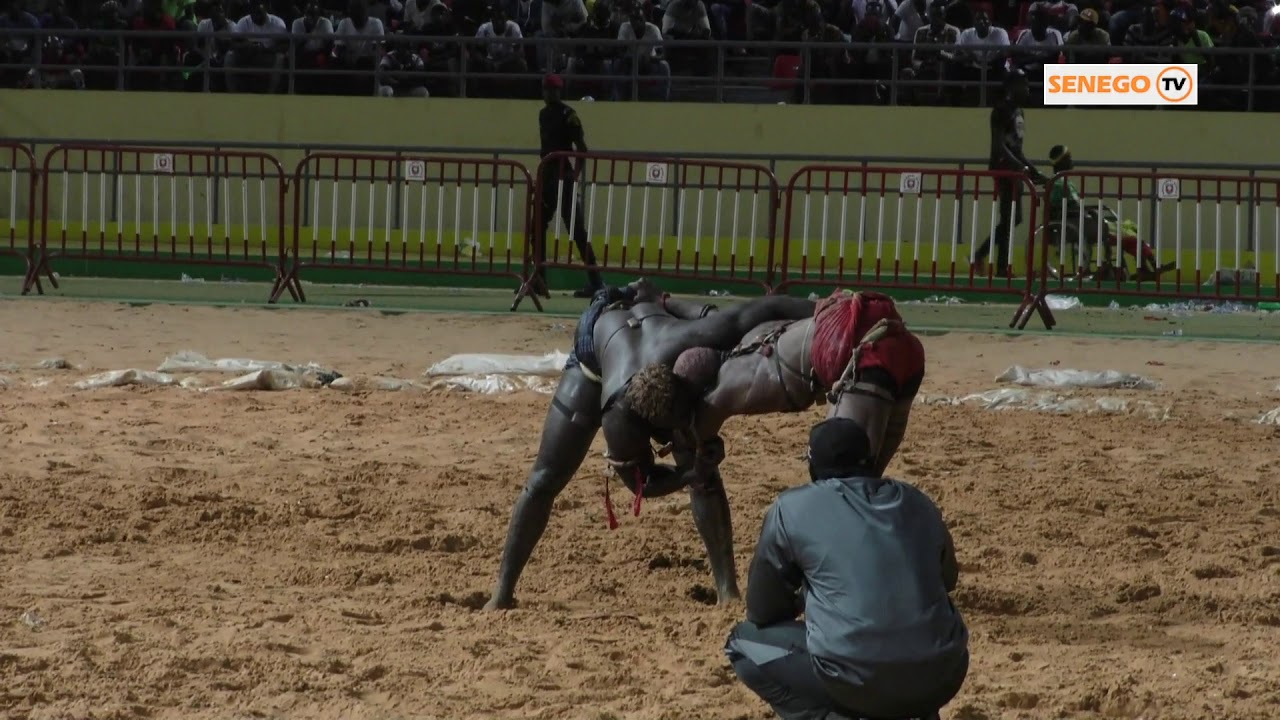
column 416, row 47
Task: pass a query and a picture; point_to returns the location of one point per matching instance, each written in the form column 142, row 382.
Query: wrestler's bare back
column 748, row 384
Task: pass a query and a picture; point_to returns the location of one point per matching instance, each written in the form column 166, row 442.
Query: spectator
column 687, row 20
column 595, row 58
column 907, row 19
column 356, row 49
column 103, row 50
column 982, row 51
column 858, row 10
column 824, row 64
column 1062, row 14
column 469, row 15
column 791, row 17
column 873, row 66
column 253, row 50
column 931, row 65
column 1236, row 32
column 560, row 19
column 643, row 55
column 400, row 74
column 415, row 14
column 153, row 52
column 443, row 51
column 1151, row 31
column 210, row 53
column 1088, row 43
column 1190, row 38
column 1037, row 45
column 21, row 50
column 186, row 19
column 61, row 54
column 312, row 54
column 725, row 15
column 1125, row 15
column 527, row 14
column 501, row 57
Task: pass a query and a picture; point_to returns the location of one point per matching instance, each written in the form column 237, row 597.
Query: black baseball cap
column 838, row 448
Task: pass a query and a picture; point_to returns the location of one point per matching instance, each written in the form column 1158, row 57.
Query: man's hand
column 645, row 291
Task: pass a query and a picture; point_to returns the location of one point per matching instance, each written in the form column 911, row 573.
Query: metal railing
column 705, row 71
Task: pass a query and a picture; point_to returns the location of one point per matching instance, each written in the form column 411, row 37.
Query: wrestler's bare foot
column 497, row 603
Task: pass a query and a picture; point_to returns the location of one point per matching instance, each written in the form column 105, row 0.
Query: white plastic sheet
column 55, row 363
column 8, row 367
column 549, row 365
column 191, row 361
column 364, row 384
column 119, row 378
column 1019, row 399
column 495, row 384
column 1062, row 378
column 3, row 382
column 1062, row 302
column 1271, row 417
column 270, row 379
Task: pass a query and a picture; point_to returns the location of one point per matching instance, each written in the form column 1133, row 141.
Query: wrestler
column 612, row 344
column 854, row 347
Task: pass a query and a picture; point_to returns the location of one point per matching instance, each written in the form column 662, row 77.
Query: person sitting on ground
column 1040, row 43
column 357, row 47
column 1088, row 43
column 932, row 65
column 982, row 52
column 643, row 58
column 251, row 50
column 400, row 74
column 870, row 564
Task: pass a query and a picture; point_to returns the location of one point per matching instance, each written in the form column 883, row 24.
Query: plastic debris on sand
column 1018, row 399
column 1062, row 302
column 119, row 378
column 1061, row 378
column 1271, row 417
column 550, row 364
column 190, row 361
column 496, row 384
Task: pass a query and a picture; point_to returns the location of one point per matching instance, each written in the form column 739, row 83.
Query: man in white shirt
column 1036, row 46
column 358, row 47
column 501, row 57
column 643, row 58
column 687, row 20
column 907, row 19
column 256, row 51
column 214, row 52
column 981, row 52
column 560, row 19
column 313, row 53
column 932, row 65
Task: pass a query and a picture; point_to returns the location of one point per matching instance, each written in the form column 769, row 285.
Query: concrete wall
column 707, row 218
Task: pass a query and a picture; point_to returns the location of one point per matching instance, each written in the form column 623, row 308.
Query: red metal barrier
column 1168, row 235
column 411, row 214
column 18, row 224
column 908, row 228
column 176, row 206
column 660, row 217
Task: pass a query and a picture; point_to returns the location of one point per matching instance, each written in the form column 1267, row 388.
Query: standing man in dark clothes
column 1008, row 127
column 870, row 564
column 561, row 131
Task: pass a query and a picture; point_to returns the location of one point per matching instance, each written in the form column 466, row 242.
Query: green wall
column 651, row 221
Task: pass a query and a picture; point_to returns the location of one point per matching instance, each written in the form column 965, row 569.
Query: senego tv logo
column 1120, row 84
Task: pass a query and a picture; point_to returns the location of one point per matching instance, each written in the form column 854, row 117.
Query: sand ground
column 315, row 554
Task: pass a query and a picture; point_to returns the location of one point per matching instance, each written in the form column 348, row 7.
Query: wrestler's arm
column 627, row 441
column 724, row 329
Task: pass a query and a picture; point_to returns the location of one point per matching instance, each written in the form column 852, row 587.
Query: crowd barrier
column 139, row 204
column 659, row 217
column 408, row 213
column 1164, row 235
column 20, row 177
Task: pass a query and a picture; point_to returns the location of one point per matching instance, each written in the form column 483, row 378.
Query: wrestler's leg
column 711, row 516
column 894, row 432
column 567, row 433
column 871, row 412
